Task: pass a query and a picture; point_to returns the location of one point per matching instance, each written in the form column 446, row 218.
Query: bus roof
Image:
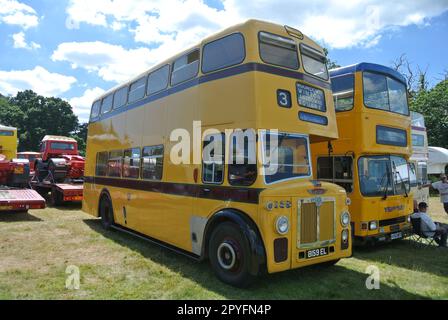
column 270, row 26
column 365, row 66
column 2, row 127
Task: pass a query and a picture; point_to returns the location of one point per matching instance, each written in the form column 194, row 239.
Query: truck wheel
column 56, row 198
column 40, row 170
column 106, row 213
column 229, row 254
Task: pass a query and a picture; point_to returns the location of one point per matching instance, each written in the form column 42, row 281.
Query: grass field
column 36, row 248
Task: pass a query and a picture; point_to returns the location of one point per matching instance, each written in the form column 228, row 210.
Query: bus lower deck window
column 152, row 166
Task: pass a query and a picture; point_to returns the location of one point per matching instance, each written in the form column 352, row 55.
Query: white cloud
column 110, row 62
column 20, row 42
column 39, row 80
column 81, row 105
column 339, row 24
column 16, row 13
column 164, row 27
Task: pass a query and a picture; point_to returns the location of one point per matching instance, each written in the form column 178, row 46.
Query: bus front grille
column 308, row 223
column 316, row 223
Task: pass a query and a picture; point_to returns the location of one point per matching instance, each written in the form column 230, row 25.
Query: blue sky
column 76, row 49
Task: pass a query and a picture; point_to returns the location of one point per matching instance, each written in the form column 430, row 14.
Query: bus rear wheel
column 229, row 255
column 106, row 213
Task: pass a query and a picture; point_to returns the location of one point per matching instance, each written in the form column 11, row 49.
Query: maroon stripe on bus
column 418, row 128
column 245, row 195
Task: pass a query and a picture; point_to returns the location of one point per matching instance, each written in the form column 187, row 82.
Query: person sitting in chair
column 429, row 228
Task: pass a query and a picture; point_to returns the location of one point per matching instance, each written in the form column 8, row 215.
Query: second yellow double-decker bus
column 255, row 76
column 370, row 158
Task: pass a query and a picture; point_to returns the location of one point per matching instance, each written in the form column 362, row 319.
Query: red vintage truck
column 15, row 194
column 60, row 170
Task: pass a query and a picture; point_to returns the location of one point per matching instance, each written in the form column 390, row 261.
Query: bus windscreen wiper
column 385, row 175
column 401, row 179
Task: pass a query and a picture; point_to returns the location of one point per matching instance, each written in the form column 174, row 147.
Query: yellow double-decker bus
column 370, row 158
column 246, row 216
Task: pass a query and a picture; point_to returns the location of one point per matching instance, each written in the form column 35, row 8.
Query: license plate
column 314, row 253
column 395, row 236
column 18, row 170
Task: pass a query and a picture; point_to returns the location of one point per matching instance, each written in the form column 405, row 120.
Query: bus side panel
column 165, row 214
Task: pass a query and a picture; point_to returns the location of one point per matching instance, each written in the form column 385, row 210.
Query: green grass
column 36, row 248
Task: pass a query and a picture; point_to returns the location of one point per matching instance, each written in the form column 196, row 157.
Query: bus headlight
column 409, row 219
column 344, row 235
column 345, row 219
column 373, row 225
column 282, row 225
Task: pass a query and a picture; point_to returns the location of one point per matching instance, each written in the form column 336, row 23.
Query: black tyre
column 59, row 174
column 106, row 213
column 229, row 254
column 41, row 170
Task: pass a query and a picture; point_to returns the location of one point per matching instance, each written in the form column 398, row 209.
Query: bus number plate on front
column 317, row 253
column 395, row 236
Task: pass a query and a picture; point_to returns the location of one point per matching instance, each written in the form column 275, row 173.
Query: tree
column 80, row 135
column 330, row 63
column 416, row 79
column 433, row 104
column 36, row 116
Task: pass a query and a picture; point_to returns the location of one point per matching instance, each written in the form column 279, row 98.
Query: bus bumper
column 403, row 233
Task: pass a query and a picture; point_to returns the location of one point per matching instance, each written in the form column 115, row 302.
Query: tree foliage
column 433, row 104
column 331, row 64
column 36, row 116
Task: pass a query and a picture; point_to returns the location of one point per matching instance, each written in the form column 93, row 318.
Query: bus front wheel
column 229, row 254
column 106, row 213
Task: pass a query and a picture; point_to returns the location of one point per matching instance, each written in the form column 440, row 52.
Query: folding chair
column 418, row 236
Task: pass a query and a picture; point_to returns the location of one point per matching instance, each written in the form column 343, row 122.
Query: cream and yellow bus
column 370, row 158
column 258, row 77
column 419, row 158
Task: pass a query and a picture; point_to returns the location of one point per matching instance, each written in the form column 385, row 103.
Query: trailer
column 59, row 193
column 15, row 192
column 59, row 172
column 20, row 199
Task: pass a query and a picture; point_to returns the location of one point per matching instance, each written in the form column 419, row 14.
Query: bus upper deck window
column 158, row 80
column 120, row 97
column 343, row 91
column 107, row 104
column 223, row 53
column 314, row 62
column 185, row 68
column 384, row 93
column 6, row 133
column 278, row 50
column 137, row 90
column 95, row 110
